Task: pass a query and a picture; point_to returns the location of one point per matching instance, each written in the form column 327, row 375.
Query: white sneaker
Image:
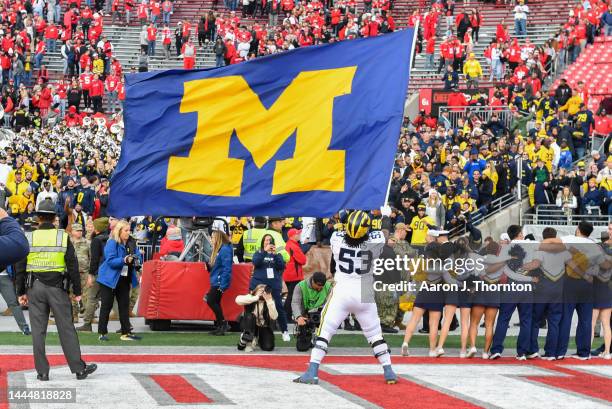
column 439, row 352
column 582, row 358
column 462, row 354
column 472, row 352
column 533, row 356
column 286, row 336
column 248, row 348
column 496, row 355
column 433, row 354
column 405, row 351
column 547, row 358
column 485, row 355
column 560, row 357
column 606, row 356
column 521, row 358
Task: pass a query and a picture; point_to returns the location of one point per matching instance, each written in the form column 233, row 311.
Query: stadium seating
column 594, row 68
column 545, row 20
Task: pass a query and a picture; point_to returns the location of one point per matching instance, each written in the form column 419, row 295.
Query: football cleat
column 311, row 376
column 390, row 376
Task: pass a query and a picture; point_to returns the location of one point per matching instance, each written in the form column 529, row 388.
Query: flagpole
column 413, row 45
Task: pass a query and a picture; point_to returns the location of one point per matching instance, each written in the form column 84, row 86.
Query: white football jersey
column 355, row 262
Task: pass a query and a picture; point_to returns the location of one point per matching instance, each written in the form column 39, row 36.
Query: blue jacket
column 565, row 160
column 262, row 261
column 110, row 270
column 221, row 274
column 471, row 166
column 13, row 243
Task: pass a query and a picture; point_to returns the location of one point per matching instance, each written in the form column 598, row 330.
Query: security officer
column 82, row 250
column 43, row 273
column 251, row 238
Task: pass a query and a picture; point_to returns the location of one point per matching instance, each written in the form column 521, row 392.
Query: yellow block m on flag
column 262, row 131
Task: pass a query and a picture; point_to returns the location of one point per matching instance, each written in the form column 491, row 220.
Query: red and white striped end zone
column 236, row 381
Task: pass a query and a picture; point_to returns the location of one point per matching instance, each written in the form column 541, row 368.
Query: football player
column 354, row 251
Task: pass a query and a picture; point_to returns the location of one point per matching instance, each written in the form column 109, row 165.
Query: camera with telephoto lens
column 245, row 338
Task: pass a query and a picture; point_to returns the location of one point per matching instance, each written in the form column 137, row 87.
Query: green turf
column 203, row 340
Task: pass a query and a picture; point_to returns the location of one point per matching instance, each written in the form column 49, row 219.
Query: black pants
column 213, row 299
column 201, row 38
column 475, row 33
column 107, row 296
column 265, row 338
column 290, row 287
column 86, row 99
column 239, row 253
column 97, row 103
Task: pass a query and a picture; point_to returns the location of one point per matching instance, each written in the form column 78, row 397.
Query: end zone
column 145, row 381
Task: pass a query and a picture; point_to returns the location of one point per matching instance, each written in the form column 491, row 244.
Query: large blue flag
column 305, row 132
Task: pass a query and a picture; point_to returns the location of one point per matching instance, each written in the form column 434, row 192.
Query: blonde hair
column 116, row 233
column 219, row 238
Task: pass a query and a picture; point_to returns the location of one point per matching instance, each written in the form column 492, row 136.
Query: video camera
column 305, row 334
column 203, row 222
column 314, row 317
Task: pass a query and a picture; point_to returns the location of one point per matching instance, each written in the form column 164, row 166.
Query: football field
column 209, row 371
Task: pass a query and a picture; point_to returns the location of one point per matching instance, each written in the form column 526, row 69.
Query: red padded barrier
column 172, row 290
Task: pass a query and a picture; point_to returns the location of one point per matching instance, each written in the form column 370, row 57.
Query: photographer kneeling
column 256, row 324
column 309, row 296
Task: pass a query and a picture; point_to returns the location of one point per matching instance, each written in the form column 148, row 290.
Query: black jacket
column 485, row 191
column 96, row 252
column 563, row 93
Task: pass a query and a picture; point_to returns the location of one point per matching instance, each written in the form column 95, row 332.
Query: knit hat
column 101, row 224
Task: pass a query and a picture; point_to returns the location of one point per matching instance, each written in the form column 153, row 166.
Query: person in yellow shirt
column 52, row 176
column 98, row 65
column 17, row 187
column 238, row 225
column 546, row 154
column 529, row 149
column 22, row 200
column 491, row 173
column 540, row 130
column 572, row 106
column 472, row 71
column 419, row 226
column 464, row 198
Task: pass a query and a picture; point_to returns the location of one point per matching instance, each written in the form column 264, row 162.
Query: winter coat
column 297, row 259
column 221, row 273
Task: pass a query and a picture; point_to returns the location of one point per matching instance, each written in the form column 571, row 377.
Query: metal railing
column 496, row 207
column 147, row 250
column 552, row 215
column 598, row 143
column 483, row 113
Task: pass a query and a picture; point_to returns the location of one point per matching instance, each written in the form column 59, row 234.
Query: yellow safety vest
column 47, row 250
column 251, row 241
